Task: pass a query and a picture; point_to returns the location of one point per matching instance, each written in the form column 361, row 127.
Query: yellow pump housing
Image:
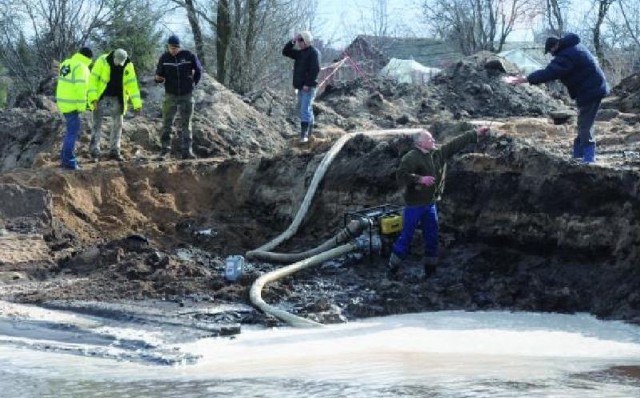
column 391, row 224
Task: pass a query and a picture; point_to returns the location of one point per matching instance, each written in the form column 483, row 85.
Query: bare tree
column 630, row 12
column 250, row 35
column 555, row 16
column 602, row 9
column 194, row 16
column 34, row 33
column 476, row 25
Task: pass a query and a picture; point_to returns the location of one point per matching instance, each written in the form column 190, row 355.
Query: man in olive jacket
column 422, row 173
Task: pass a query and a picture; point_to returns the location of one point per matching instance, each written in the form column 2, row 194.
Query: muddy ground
column 524, row 227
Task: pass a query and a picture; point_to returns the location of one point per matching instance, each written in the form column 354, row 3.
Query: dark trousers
column 427, row 218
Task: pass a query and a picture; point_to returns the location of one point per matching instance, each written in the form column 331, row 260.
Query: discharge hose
column 353, row 229
column 317, row 177
column 255, row 293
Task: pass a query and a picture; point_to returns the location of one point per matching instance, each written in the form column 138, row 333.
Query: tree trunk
column 196, row 29
column 603, row 7
column 223, row 38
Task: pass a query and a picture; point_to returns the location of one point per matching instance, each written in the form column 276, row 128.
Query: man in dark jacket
column 305, row 74
column 179, row 70
column 422, row 173
column 579, row 71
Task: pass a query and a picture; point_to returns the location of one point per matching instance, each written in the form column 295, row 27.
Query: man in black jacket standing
column 305, row 74
column 179, row 70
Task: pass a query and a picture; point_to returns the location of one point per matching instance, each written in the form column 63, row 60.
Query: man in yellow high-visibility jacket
column 71, row 97
column 113, row 83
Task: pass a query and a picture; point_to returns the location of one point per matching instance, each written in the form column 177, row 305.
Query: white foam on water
column 478, row 353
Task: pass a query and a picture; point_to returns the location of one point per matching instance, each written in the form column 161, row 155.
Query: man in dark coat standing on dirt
column 579, row 71
column 422, row 173
column 305, row 74
column 180, row 71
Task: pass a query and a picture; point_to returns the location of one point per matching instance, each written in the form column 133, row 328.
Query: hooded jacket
column 101, row 75
column 306, row 66
column 73, row 84
column 577, row 69
column 181, row 73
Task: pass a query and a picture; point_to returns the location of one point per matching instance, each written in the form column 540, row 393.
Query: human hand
column 159, row 79
column 483, row 131
column 94, row 105
column 514, row 80
column 427, row 180
column 305, row 88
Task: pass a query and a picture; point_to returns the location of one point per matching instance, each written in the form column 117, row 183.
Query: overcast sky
column 339, row 21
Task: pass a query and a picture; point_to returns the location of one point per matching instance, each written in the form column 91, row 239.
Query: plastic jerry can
column 233, row 267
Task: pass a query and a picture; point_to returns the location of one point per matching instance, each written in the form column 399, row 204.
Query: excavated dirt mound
column 224, row 126
column 470, row 88
column 540, row 232
column 626, row 95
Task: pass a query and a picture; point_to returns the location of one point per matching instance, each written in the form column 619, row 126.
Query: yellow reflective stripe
column 135, row 96
column 132, row 80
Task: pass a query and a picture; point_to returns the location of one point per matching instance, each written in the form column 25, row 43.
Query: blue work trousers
column 305, row 104
column 68, row 152
column 425, row 216
column 584, row 145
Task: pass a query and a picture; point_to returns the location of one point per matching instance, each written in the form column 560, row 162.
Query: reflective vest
column 100, row 76
column 73, row 84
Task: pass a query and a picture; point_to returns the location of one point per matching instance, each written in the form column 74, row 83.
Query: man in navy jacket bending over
column 579, row 71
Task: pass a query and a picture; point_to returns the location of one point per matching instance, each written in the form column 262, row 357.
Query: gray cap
column 119, row 57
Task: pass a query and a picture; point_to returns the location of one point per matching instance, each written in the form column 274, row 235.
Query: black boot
column 430, row 265
column 393, row 267
column 304, row 132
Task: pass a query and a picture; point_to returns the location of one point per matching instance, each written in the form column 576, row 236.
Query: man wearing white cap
column 113, row 83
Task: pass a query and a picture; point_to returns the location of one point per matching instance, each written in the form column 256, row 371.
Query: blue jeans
column 584, row 146
column 305, row 104
column 427, row 217
column 68, row 152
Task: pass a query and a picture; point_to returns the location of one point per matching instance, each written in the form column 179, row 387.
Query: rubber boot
column 430, row 265
column 304, row 132
column 589, row 153
column 393, row 267
column 578, row 151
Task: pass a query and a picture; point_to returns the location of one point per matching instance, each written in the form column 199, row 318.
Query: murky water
column 444, row 354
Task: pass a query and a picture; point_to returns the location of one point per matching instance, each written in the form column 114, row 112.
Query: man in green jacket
column 422, row 173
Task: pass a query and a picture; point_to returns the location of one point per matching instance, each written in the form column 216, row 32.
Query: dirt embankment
column 523, row 227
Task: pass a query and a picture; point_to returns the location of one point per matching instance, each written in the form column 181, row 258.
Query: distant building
column 368, row 55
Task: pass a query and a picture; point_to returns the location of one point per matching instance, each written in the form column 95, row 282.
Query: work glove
column 427, row 180
column 483, row 131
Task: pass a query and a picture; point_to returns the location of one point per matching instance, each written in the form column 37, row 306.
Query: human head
column 424, row 140
column 120, row 57
column 86, row 51
column 304, row 39
column 551, row 45
column 173, row 44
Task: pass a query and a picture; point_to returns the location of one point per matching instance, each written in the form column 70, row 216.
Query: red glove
column 427, row 180
column 483, row 130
